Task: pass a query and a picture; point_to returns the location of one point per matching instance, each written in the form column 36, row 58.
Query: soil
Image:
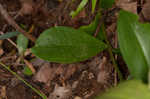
column 83, row 80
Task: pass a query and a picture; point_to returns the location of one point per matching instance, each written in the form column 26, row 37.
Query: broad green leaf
column 93, row 5
column 131, row 89
column 105, row 4
column 8, row 35
column 22, row 43
column 134, row 39
column 27, row 71
column 66, row 45
column 80, row 7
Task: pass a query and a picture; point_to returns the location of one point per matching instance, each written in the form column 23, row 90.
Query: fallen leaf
column 71, row 69
column 27, row 7
column 37, row 62
column 146, row 10
column 61, row 93
column 128, row 5
column 45, row 74
column 3, row 92
column 77, row 97
column 103, row 73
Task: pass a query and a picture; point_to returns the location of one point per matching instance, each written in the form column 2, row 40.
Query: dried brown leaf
column 146, row 11
column 128, row 5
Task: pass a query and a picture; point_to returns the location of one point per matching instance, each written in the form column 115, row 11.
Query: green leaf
column 131, row 89
column 134, row 39
column 8, row 35
column 27, row 71
column 22, row 43
column 80, row 7
column 116, row 51
column 91, row 28
column 93, row 5
column 66, row 45
column 105, row 4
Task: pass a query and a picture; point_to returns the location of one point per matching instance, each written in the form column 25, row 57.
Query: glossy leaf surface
column 66, row 45
column 128, row 90
column 93, row 5
column 134, row 40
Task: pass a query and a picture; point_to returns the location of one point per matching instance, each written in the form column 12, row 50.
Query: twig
column 99, row 26
column 30, row 66
column 14, row 24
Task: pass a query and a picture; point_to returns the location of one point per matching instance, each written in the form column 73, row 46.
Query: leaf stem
column 25, row 82
column 111, row 54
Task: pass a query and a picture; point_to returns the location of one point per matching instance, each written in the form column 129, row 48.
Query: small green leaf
column 105, row 4
column 80, row 7
column 91, row 28
column 8, row 35
column 22, row 43
column 27, row 71
column 134, row 39
column 131, row 89
column 66, row 45
column 93, row 5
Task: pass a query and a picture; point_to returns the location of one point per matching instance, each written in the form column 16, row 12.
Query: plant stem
column 111, row 54
column 25, row 82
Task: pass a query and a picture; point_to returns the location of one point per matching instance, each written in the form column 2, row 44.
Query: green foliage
column 116, row 51
column 22, row 43
column 27, row 71
column 105, row 4
column 8, row 35
column 93, row 5
column 134, row 39
column 91, row 28
column 80, row 7
column 66, row 45
column 131, row 89
column 25, row 82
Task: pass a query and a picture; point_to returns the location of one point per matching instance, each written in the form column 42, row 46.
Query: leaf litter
column 59, row 81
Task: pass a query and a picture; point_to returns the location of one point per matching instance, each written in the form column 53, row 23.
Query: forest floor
column 83, row 80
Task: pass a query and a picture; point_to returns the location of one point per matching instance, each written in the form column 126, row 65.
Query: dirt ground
column 83, row 80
